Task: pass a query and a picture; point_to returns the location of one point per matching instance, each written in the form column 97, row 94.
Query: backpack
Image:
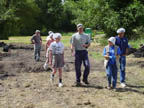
column 115, row 51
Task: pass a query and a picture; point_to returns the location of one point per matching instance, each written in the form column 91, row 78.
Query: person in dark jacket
column 122, row 42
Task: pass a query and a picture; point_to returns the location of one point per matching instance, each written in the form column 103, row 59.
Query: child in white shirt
column 56, row 57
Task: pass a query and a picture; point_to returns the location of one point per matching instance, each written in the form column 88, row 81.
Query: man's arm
column 32, row 40
column 72, row 48
column 118, row 53
column 86, row 45
column 40, row 40
column 127, row 48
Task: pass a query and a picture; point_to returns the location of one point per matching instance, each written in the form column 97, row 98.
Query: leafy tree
column 17, row 17
column 7, row 19
column 22, row 17
column 54, row 16
column 108, row 15
column 28, row 13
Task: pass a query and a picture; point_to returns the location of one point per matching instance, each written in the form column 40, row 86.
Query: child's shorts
column 57, row 61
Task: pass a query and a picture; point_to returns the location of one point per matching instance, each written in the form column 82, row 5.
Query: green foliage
column 109, row 15
column 96, row 55
column 23, row 17
column 6, row 19
column 67, row 34
column 135, row 43
column 28, row 12
column 54, row 16
column 17, row 17
column 103, row 41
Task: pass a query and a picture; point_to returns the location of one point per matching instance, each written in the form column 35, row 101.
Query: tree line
column 23, row 17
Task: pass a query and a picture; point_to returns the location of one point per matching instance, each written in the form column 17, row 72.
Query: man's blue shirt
column 122, row 43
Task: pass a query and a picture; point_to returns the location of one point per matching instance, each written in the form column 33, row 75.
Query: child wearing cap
column 37, row 41
column 49, row 40
column 56, row 57
column 111, row 54
column 48, row 37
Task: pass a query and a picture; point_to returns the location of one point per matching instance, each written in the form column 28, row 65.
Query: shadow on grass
column 89, row 86
column 4, row 76
column 135, row 86
column 117, row 90
column 129, row 90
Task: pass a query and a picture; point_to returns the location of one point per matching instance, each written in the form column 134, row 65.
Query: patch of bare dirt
column 25, row 84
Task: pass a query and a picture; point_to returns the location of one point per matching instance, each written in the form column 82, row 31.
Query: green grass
column 103, row 41
column 26, row 40
column 66, row 40
column 68, row 34
column 18, row 39
column 136, row 43
column 99, row 32
column 96, row 55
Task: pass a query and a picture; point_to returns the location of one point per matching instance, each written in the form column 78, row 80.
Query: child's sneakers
column 52, row 78
column 60, row 84
column 123, row 85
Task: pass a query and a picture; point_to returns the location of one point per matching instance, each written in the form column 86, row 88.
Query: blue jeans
column 82, row 56
column 37, row 49
column 122, row 68
column 111, row 71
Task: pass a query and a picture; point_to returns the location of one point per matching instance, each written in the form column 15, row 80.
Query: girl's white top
column 57, row 48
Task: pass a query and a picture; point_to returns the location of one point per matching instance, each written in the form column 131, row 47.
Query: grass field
column 66, row 40
column 33, row 89
column 26, row 40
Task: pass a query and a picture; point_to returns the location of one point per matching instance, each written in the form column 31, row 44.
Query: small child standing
column 56, row 57
column 111, row 54
column 48, row 37
column 49, row 40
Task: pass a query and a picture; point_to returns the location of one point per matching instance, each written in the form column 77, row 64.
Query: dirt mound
column 14, row 67
column 2, row 68
column 20, row 59
column 21, row 46
column 4, row 55
column 139, row 52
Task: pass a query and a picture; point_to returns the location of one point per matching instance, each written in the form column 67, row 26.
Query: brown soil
column 25, row 84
